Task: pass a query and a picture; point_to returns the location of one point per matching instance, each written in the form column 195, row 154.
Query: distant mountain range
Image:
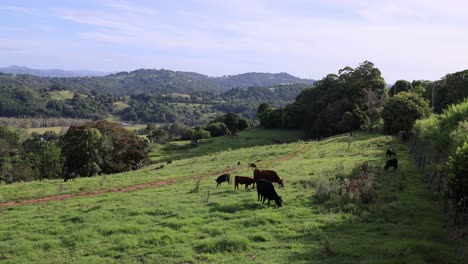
column 51, row 72
column 151, row 81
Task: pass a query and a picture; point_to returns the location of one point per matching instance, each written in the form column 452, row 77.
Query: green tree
column 159, row 136
column 400, row 86
column 402, row 110
column 218, row 129
column 102, row 146
column 82, row 148
column 320, row 109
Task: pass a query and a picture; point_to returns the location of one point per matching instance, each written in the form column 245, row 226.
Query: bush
column 402, row 110
column 218, row 129
column 458, row 165
column 360, row 186
column 342, row 191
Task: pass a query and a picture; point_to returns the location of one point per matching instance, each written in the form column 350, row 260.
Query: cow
column 223, row 178
column 391, row 163
column 242, row 180
column 268, row 175
column 265, row 190
column 390, row 153
column 238, row 163
column 69, row 176
column 252, row 165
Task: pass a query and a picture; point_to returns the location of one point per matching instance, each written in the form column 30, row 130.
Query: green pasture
column 61, row 95
column 119, row 106
column 173, row 224
column 42, row 130
column 245, row 139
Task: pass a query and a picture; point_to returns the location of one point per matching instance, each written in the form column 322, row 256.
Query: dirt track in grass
column 149, row 184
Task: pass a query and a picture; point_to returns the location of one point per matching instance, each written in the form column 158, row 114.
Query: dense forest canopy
column 338, row 103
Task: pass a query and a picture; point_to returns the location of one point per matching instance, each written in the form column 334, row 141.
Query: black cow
column 265, row 190
column 390, row 153
column 223, row 178
column 252, row 165
column 391, row 163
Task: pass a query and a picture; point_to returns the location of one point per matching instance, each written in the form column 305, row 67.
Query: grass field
column 248, row 138
column 61, row 95
column 172, row 224
column 42, row 130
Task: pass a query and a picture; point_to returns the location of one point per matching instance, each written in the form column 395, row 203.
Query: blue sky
column 405, row 39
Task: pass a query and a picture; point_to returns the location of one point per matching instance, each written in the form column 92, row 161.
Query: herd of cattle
column 264, row 180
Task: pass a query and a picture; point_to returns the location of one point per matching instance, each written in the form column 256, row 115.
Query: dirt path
column 149, row 184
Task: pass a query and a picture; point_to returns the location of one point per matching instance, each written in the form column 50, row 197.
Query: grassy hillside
column 172, row 224
column 61, row 95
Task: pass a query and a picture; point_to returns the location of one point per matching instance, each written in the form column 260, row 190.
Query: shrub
column 458, row 164
column 360, row 186
column 342, row 191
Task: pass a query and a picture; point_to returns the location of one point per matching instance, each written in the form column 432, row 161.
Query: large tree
column 102, row 146
column 400, row 86
column 402, row 110
column 321, row 109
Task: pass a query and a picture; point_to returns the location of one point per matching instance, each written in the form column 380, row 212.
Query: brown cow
column 242, row 180
column 268, row 175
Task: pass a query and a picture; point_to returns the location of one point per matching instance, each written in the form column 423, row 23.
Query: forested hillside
column 191, row 109
column 153, row 81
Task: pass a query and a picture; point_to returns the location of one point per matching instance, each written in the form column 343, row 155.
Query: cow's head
column 280, row 182
column 279, row 201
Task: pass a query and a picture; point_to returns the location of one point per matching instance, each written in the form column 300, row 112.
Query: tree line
column 97, row 147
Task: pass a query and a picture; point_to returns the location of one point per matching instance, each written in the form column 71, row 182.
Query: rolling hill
column 50, row 72
column 153, row 81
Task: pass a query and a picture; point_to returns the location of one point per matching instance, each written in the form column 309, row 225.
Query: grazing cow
column 252, row 165
column 390, row 153
column 265, row 190
column 268, row 175
column 391, row 163
column 242, row 180
column 69, row 176
column 223, row 178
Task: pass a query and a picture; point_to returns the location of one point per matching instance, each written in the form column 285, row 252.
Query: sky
column 405, row 39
